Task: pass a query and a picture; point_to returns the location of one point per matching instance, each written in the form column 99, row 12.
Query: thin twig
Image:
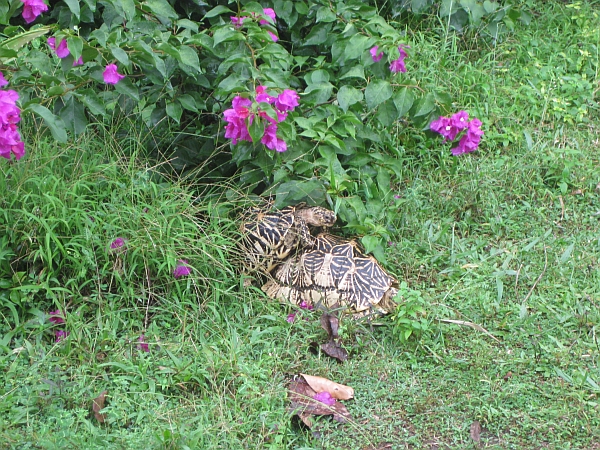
column 538, row 278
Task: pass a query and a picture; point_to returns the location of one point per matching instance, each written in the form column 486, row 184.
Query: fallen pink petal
column 182, row 269
column 291, row 317
column 143, row 345
column 56, row 317
column 325, row 397
column 117, row 243
column 61, row 335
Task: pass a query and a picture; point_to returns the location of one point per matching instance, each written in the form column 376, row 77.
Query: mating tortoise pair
column 325, row 270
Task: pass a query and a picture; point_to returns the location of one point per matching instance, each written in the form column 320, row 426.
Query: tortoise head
column 318, row 216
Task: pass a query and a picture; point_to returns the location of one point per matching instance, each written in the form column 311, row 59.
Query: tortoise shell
column 334, row 273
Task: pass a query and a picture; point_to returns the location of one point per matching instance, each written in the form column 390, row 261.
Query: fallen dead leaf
column 303, row 404
column 334, row 350
column 336, row 390
column 476, row 431
column 98, row 405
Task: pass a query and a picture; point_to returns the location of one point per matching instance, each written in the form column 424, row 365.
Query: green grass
column 506, row 238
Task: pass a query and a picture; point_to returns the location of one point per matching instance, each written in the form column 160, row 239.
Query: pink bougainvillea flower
column 79, row 62
column 237, row 21
column 291, row 317
column 398, row 64
column 376, row 56
column 274, row 37
column 325, row 397
column 62, row 51
column 143, row 345
column 444, row 127
column 56, row 317
column 271, row 141
column 3, row 81
column 460, row 120
column 110, row 74
column 470, row 141
column 61, row 335
column 241, row 105
column 117, row 243
column 9, row 111
column 269, row 13
column 32, row 9
column 182, row 269
column 287, row 100
column 262, row 96
column 305, row 305
column 236, row 128
column 10, row 142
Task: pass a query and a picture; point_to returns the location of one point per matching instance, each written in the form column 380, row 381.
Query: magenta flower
column 62, row 51
column 470, row 141
column 287, row 100
column 271, row 141
column 61, row 335
column 110, row 74
column 325, row 397
column 143, row 346
column 32, row 9
column 269, row 13
column 398, row 64
column 182, row 269
column 3, row 81
column 291, row 317
column 79, row 62
column 56, row 317
column 9, row 111
column 117, row 243
column 460, row 120
column 376, row 56
column 10, row 142
column 237, row 21
column 273, row 36
column 262, row 96
column 305, row 305
column 236, row 129
column 444, row 127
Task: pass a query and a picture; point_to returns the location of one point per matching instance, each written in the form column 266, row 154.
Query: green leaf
column 256, row 131
column 318, row 34
column 174, row 110
column 120, row 54
column 404, row 100
column 188, row 56
column 73, row 115
column 357, row 46
column 318, row 93
column 54, row 123
column 378, row 91
column 187, row 24
column 387, row 113
column 226, row 34
column 18, row 41
column 347, row 96
column 325, row 14
column 162, row 9
column 424, row 105
column 188, row 102
column 91, row 100
column 126, row 87
column 218, row 10
column 489, row 6
column 74, row 7
column 567, row 253
column 354, row 72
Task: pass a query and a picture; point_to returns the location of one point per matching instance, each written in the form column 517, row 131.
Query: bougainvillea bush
column 293, row 98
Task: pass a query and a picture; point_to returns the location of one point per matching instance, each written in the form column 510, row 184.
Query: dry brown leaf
column 476, row 431
column 304, row 405
column 472, row 325
column 334, row 350
column 336, row 390
column 331, row 325
column 98, row 405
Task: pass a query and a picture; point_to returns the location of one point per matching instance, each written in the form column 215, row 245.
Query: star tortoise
column 334, row 273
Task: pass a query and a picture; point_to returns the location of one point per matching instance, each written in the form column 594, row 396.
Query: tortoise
column 271, row 236
column 334, row 273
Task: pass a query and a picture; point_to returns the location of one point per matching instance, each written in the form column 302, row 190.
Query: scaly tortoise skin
column 271, row 236
column 334, row 273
